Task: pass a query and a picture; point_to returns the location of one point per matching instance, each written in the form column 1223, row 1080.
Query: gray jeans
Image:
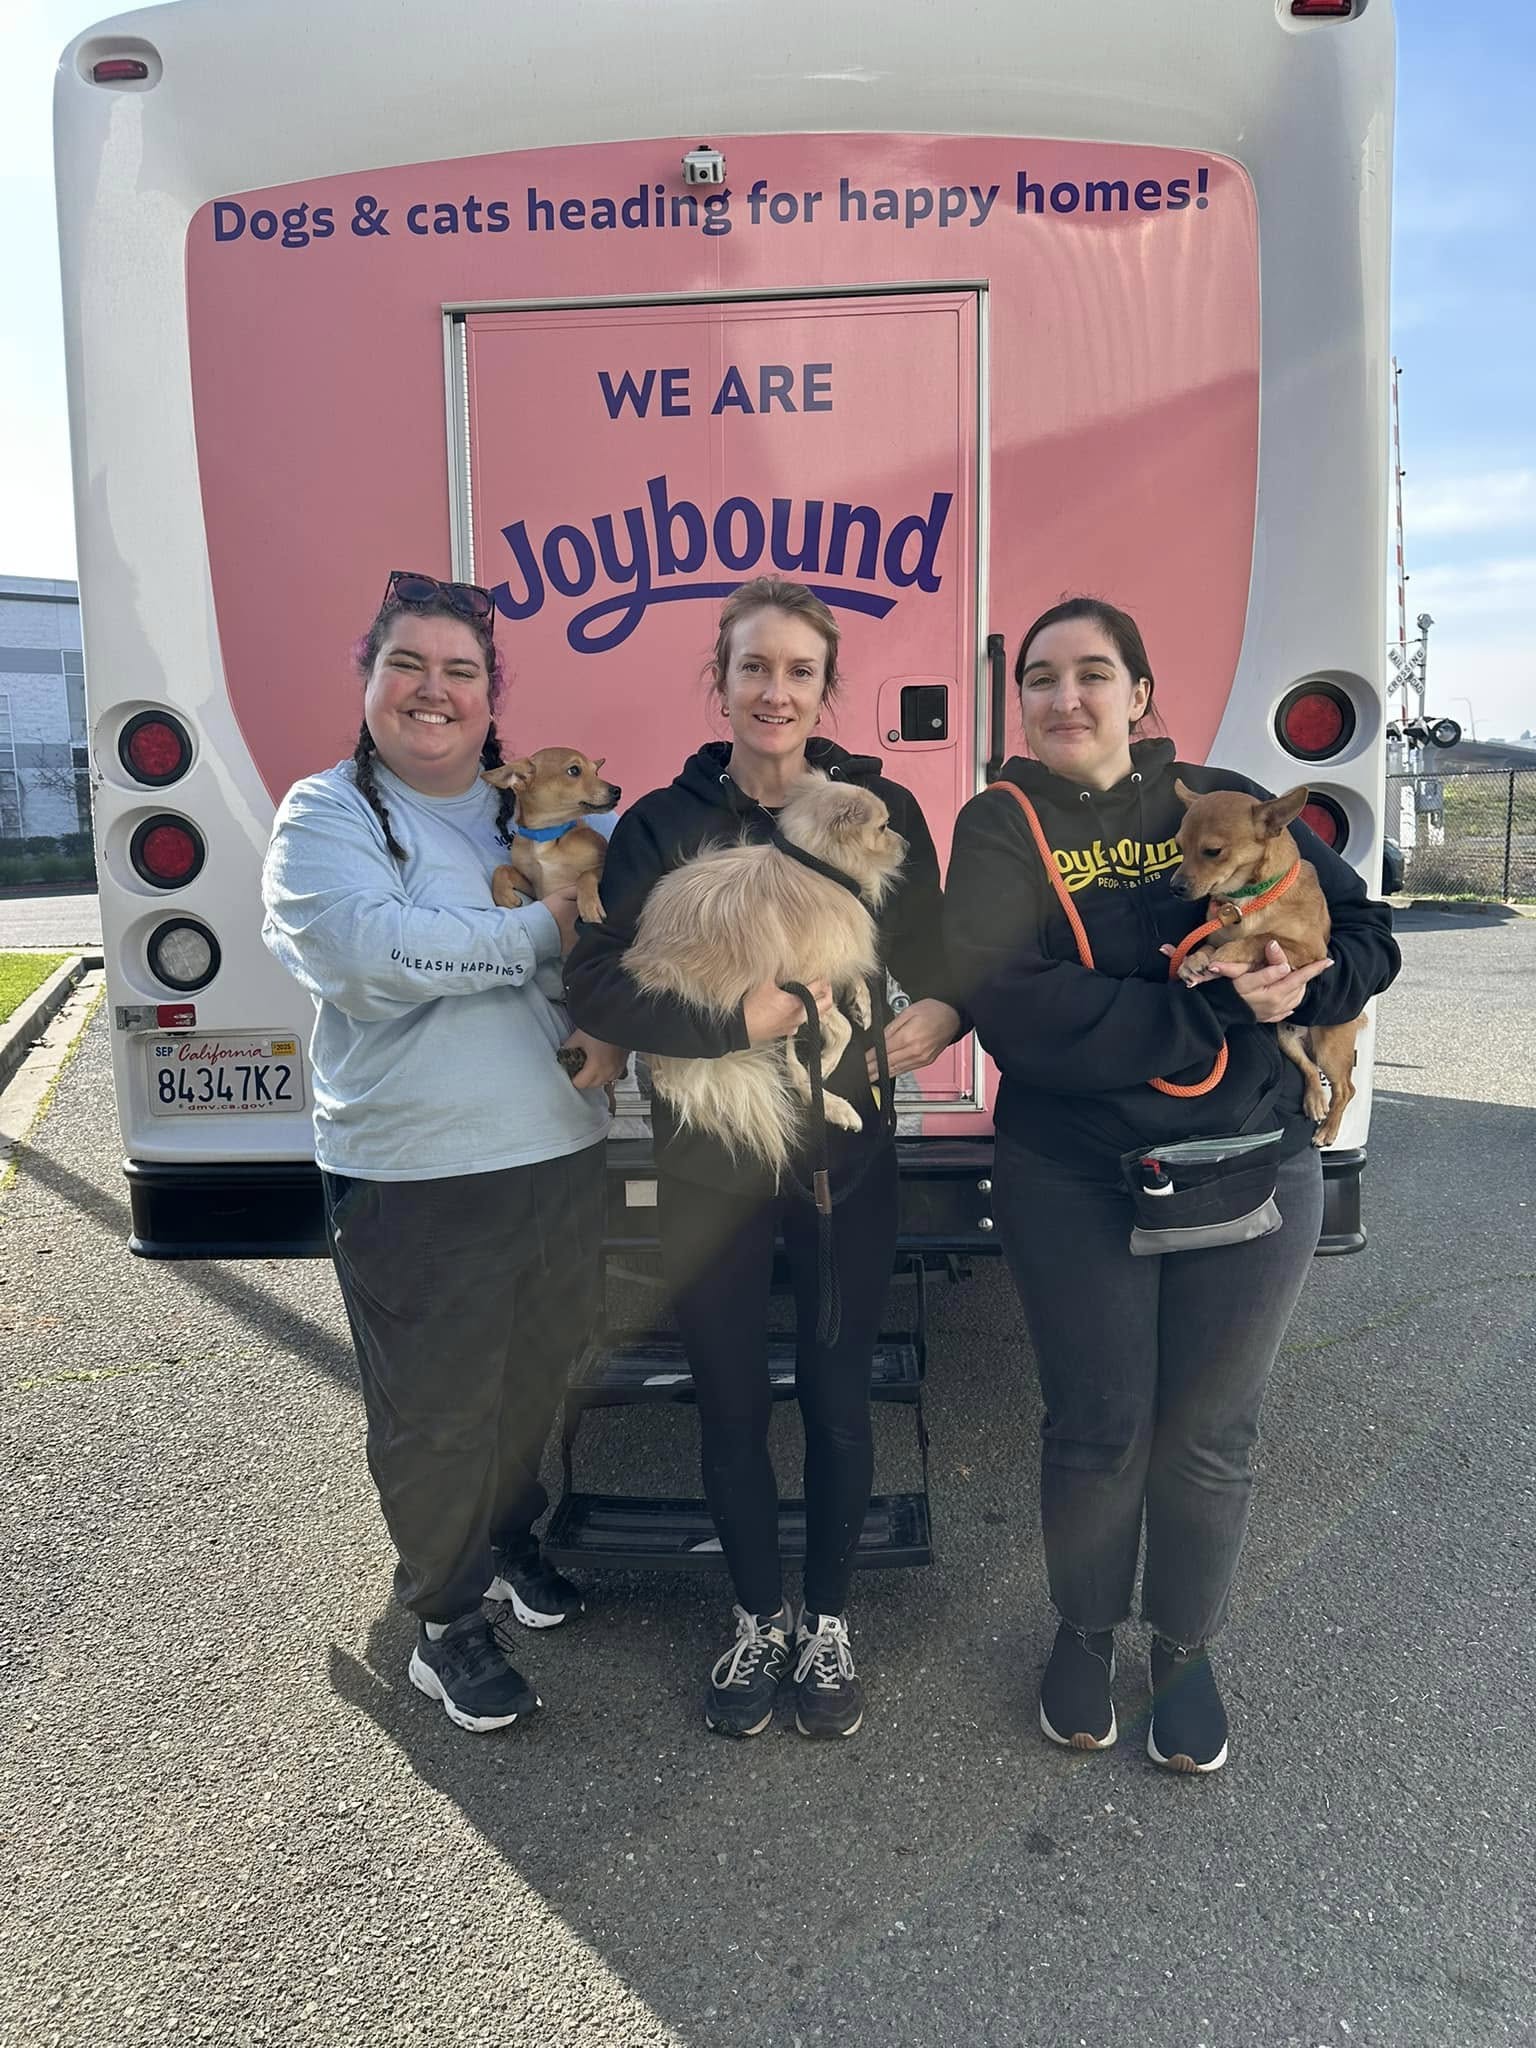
column 1152, row 1371
column 469, row 1300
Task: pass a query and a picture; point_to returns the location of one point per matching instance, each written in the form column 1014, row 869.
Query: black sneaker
column 1189, row 1723
column 829, row 1697
column 745, row 1682
column 466, row 1671
column 1076, row 1706
column 537, row 1595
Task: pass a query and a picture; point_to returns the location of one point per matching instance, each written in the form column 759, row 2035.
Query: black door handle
column 997, row 664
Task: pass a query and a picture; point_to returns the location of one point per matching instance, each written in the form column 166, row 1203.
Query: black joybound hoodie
column 704, row 807
column 1076, row 1046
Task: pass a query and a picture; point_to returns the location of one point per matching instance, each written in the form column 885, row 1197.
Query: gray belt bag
column 1202, row 1192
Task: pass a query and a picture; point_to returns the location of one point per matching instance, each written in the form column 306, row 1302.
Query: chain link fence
column 1468, row 834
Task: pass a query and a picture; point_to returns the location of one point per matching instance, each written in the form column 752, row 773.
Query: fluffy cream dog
column 732, row 918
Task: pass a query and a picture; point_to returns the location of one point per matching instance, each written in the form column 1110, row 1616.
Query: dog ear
column 1275, row 815
column 1185, row 796
column 599, row 761
column 852, row 813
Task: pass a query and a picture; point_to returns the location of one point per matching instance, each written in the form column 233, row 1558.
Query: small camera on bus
column 704, row 166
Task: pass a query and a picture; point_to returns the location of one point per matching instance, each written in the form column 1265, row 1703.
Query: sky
column 1464, row 313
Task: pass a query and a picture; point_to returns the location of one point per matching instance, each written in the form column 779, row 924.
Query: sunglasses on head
column 469, row 600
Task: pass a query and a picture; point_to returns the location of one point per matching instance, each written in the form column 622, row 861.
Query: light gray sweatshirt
column 434, row 1044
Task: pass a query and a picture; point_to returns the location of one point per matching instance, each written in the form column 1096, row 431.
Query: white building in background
column 44, row 760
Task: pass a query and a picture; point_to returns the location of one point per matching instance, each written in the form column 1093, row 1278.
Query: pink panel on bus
column 1121, row 316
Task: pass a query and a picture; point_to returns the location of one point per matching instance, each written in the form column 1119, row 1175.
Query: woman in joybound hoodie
column 1152, row 1370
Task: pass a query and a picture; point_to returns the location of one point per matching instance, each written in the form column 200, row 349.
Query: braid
column 506, row 808
column 362, row 769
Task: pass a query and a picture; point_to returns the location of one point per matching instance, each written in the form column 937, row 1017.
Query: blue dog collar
column 544, row 833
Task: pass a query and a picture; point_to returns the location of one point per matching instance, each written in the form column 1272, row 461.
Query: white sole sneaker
column 1185, row 1765
column 823, row 1735
column 426, row 1680
column 1081, row 1740
column 502, row 1593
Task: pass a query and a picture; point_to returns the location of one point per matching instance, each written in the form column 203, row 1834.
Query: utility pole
column 1397, row 489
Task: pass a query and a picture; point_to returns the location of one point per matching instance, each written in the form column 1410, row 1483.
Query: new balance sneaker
column 537, row 1595
column 1189, row 1723
column 745, row 1682
column 465, row 1670
column 1076, row 1706
column 829, row 1700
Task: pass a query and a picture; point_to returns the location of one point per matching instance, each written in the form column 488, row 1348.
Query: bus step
column 655, row 1369
column 619, row 1531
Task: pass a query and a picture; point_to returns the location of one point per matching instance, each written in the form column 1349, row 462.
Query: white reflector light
column 183, row 955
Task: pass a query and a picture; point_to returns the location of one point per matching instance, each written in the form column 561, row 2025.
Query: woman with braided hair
column 463, row 1180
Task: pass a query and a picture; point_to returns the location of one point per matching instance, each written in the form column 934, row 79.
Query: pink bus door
column 626, row 467
column 621, row 470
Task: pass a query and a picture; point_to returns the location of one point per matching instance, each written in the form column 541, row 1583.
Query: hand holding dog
column 771, row 1012
column 916, row 1037
column 561, row 905
column 1273, row 990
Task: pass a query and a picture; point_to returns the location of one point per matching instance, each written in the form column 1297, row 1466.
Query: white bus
column 946, row 313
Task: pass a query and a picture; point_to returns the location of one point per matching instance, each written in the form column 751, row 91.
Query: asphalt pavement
column 45, row 923
column 232, row 1820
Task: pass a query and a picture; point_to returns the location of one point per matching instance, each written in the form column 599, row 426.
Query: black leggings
column 717, row 1254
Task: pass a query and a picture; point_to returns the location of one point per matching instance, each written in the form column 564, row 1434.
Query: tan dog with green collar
column 1233, row 845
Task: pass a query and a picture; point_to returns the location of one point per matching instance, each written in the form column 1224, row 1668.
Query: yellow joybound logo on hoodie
column 1118, row 866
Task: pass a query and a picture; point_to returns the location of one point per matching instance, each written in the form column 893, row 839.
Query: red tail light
column 1328, row 821
column 167, row 851
column 1323, row 10
column 119, row 70
column 154, row 748
column 1315, row 721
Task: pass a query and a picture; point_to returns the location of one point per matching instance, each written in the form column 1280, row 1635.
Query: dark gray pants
column 1152, row 1372
column 470, row 1299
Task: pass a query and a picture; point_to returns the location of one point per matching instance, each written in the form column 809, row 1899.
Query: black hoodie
column 704, row 807
column 1077, row 1046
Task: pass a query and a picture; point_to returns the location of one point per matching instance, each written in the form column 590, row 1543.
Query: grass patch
column 22, row 974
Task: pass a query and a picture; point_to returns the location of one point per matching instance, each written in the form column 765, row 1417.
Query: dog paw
column 843, row 1114
column 505, row 893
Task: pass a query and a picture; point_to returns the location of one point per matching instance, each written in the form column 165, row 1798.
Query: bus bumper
column 274, row 1210
column 229, row 1210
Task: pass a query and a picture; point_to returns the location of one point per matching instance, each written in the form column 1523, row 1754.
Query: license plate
column 224, row 1076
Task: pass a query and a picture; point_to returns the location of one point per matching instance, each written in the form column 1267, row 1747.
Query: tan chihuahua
column 1233, row 845
column 551, row 849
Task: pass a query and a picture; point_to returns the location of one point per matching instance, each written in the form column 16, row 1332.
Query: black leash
column 823, row 868
column 829, row 1303
column 829, row 1306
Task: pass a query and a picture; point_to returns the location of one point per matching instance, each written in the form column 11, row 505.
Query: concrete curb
column 26, row 1025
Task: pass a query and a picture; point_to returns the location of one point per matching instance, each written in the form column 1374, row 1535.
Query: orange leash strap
column 1085, row 951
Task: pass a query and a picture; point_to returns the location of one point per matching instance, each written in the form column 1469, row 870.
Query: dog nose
column 1178, row 884
column 614, row 792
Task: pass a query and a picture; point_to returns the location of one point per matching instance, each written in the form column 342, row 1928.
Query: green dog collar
column 1252, row 889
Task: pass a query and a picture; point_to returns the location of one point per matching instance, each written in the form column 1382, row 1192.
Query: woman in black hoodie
column 774, row 671
column 1152, row 1369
